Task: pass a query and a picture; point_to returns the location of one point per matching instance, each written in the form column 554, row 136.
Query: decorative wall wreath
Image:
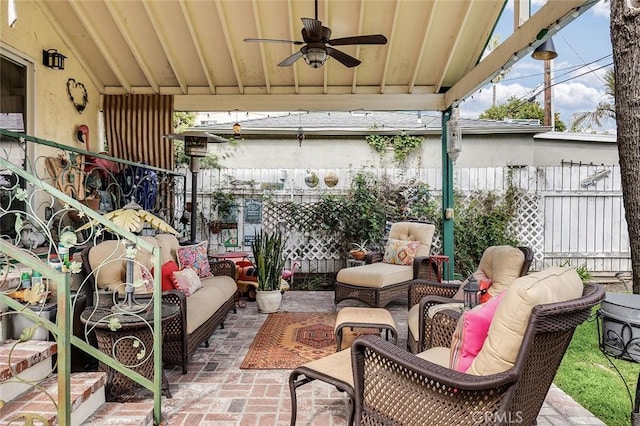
column 77, row 94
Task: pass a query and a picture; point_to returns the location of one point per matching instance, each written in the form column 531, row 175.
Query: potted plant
column 268, row 255
column 359, row 251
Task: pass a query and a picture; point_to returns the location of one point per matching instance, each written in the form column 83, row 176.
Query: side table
column 440, row 260
column 131, row 345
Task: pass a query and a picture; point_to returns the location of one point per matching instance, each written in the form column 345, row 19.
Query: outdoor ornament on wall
column 77, row 94
column 331, row 179
column 311, row 179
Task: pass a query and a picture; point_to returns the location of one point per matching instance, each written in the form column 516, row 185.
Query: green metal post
column 447, row 199
column 157, row 338
column 64, row 349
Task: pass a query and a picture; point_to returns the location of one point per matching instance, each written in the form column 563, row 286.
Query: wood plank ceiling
column 194, row 49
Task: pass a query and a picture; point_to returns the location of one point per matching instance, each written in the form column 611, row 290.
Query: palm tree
column 604, row 110
column 494, row 42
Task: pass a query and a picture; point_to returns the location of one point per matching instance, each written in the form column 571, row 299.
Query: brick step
column 29, row 361
column 87, row 395
column 122, row 414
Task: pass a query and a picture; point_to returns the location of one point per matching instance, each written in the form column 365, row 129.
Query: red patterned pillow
column 168, row 268
column 195, row 257
column 400, row 252
column 186, row 280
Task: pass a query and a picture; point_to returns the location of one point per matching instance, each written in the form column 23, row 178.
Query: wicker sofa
column 200, row 313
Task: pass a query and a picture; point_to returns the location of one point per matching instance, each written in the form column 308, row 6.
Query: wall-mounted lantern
column 53, row 59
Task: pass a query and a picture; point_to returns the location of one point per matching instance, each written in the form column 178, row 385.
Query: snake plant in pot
column 268, row 255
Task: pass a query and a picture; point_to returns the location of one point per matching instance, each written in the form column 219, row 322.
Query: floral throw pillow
column 195, row 257
column 187, row 281
column 400, row 252
column 142, row 279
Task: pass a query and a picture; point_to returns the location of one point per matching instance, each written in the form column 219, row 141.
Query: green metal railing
column 28, row 189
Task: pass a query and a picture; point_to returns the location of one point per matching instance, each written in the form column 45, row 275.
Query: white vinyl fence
column 571, row 213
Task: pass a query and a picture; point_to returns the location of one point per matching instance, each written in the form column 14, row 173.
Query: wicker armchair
column 424, row 294
column 393, row 386
column 377, row 283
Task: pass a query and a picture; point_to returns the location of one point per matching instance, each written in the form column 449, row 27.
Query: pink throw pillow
column 187, row 281
column 471, row 333
column 195, row 257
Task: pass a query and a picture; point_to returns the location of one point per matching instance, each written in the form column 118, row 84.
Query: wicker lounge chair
column 393, row 386
column 378, row 283
column 503, row 264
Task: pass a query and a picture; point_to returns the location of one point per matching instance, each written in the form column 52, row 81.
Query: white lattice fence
column 563, row 212
column 529, row 226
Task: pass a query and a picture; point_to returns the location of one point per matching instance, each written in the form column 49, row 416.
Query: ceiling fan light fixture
column 315, row 56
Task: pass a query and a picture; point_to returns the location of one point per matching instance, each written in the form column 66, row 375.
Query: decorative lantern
column 454, row 138
column 53, row 59
column 471, row 289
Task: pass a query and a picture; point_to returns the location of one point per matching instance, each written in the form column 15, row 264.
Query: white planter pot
column 268, row 301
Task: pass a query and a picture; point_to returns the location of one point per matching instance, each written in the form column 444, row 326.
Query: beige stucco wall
column 54, row 117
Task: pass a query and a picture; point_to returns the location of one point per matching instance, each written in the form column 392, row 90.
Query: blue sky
column 583, row 41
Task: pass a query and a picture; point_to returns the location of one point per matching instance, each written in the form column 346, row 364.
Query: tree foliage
column 605, row 110
column 519, row 109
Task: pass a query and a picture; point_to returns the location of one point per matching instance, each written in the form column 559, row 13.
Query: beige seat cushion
column 437, row 355
column 506, row 265
column 500, row 349
column 375, row 275
column 223, row 283
column 168, row 247
column 414, row 231
column 501, row 264
column 413, row 318
column 107, row 265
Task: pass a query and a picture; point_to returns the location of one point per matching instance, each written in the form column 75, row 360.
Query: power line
column 532, row 94
column 568, row 69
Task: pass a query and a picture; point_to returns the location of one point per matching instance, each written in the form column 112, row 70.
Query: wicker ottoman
column 357, row 317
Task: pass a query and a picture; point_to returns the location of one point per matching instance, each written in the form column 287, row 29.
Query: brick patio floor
column 217, row 392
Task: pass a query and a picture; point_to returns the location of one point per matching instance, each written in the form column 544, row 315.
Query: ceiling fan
column 316, row 47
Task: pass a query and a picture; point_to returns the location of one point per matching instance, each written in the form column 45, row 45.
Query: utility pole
column 548, row 107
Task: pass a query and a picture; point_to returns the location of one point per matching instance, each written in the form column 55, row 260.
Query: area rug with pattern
column 287, row 340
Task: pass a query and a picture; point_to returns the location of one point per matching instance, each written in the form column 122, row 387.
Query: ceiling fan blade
column 313, row 28
column 273, row 40
column 290, row 60
column 346, row 60
column 363, row 39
